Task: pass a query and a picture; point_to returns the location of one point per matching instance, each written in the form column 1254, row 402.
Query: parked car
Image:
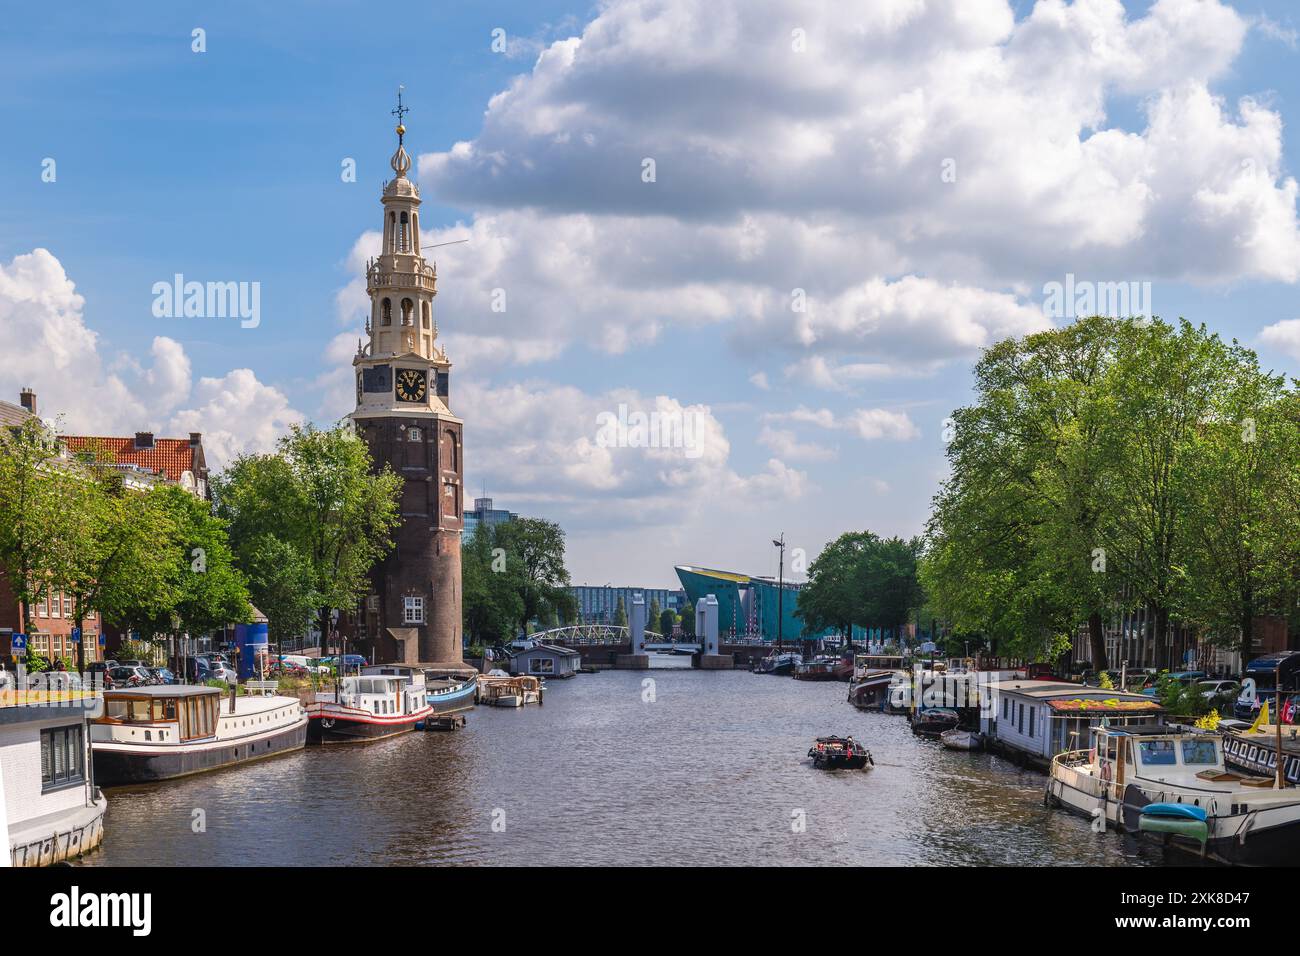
column 1182, row 677
column 124, row 676
column 288, row 668
column 164, row 675
column 1220, row 693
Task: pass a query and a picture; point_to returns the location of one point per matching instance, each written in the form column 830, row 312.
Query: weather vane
column 400, row 112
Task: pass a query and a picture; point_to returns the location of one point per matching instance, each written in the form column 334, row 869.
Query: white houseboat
column 383, row 700
column 50, row 808
column 156, row 733
column 1172, row 787
column 1033, row 720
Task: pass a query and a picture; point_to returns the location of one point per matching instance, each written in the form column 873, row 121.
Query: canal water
column 671, row 766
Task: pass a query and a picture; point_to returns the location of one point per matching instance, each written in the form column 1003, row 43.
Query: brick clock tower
column 403, row 413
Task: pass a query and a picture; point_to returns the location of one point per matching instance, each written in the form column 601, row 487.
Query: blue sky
column 1109, row 143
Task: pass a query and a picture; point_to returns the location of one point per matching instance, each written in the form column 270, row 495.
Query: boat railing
column 1065, row 767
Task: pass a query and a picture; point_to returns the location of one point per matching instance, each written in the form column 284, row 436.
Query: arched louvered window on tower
column 406, row 234
column 408, row 310
column 424, row 308
column 392, row 232
column 388, row 312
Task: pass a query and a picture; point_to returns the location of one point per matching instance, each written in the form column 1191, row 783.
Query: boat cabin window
column 137, row 710
column 198, row 716
column 1200, row 752
column 1158, row 753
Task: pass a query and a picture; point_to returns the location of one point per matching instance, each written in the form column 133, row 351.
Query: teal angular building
column 748, row 606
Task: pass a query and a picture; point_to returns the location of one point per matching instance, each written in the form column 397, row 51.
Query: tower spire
column 401, row 161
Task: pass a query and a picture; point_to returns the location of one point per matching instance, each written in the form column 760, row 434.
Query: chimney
column 27, row 398
column 143, row 440
column 196, row 439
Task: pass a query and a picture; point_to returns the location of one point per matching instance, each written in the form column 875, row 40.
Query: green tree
column 115, row 552
column 688, row 619
column 652, row 614
column 209, row 591
column 534, row 555
column 491, row 605
column 833, row 596
column 620, row 614
column 667, row 620
column 321, row 495
column 30, row 509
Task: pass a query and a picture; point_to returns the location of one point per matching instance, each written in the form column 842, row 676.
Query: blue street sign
column 76, row 635
column 101, row 640
column 18, row 642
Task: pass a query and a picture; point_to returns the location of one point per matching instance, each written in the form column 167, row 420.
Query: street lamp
column 779, row 544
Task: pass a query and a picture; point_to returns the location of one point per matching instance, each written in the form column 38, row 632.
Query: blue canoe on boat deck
column 1176, row 818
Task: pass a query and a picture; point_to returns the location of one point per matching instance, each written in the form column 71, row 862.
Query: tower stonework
column 403, row 413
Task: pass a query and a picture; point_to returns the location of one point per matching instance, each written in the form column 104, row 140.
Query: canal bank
column 671, row 767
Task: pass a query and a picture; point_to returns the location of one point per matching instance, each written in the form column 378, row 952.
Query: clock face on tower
column 411, row 385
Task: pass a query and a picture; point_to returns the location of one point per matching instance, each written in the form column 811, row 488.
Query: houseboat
column 869, row 690
column 159, row 732
column 1256, row 752
column 381, row 701
column 819, row 668
column 546, row 660
column 50, row 808
column 1031, row 721
column 1172, row 787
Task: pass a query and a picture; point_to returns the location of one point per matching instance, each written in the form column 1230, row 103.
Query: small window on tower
column 413, row 434
column 408, row 310
column 425, row 310
column 388, row 311
column 413, row 610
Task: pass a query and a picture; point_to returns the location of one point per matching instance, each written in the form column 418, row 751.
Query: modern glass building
column 484, row 514
column 599, row 604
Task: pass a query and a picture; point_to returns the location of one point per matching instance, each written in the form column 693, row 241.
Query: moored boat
column 165, row 731
column 933, row 721
column 839, row 753
column 958, row 739
column 819, row 668
column 448, row 695
column 870, row 690
column 779, row 664
column 510, row 691
column 381, row 701
column 1171, row 786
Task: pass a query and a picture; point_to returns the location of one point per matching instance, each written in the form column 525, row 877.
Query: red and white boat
column 383, row 700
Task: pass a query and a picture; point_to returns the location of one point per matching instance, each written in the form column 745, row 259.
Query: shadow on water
column 671, row 766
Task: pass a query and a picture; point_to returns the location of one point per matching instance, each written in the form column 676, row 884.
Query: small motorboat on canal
column 160, row 732
column 958, row 739
column 383, row 700
column 1171, row 786
column 839, row 753
column 933, row 721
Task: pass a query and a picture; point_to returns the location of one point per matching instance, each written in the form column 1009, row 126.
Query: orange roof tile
column 168, row 456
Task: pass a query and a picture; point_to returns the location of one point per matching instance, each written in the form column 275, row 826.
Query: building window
column 413, row 434
column 43, row 607
column 413, row 610
column 387, row 316
column 1031, row 721
column 372, row 602
column 62, row 758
